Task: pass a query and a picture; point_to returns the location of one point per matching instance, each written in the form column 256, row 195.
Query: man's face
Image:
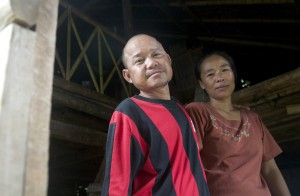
column 148, row 65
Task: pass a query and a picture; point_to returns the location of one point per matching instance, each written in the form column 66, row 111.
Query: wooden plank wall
column 277, row 100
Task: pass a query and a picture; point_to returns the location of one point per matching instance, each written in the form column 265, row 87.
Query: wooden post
column 27, row 37
column 127, row 16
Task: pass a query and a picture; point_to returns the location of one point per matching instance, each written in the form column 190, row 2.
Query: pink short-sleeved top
column 232, row 151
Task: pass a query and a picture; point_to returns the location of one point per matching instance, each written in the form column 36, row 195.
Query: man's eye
column 138, row 61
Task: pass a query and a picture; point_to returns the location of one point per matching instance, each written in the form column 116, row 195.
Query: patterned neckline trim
column 234, row 132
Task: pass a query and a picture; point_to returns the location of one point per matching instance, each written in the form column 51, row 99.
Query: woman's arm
column 274, row 179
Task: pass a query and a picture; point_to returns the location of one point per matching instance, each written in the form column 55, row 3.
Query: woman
column 236, row 148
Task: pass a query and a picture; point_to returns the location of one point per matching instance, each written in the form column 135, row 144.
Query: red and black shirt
column 152, row 150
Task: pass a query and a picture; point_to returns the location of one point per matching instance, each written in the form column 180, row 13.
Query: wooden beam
column 71, row 116
column 26, row 102
column 74, row 133
column 229, row 41
column 101, row 172
column 127, row 17
column 20, row 12
column 81, row 103
column 62, row 179
column 247, row 42
column 251, row 20
column 164, row 9
column 286, row 126
column 273, row 88
column 78, row 89
column 38, row 138
column 207, row 20
column 233, row 2
column 94, row 189
column 93, row 22
column 82, row 99
column 15, row 105
column 275, row 110
column 293, row 109
column 91, row 4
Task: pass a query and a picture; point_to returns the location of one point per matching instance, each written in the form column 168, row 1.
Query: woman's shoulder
column 196, row 104
column 250, row 113
column 197, row 107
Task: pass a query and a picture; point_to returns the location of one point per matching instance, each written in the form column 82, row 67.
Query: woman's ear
column 126, row 75
column 201, row 85
column 170, row 60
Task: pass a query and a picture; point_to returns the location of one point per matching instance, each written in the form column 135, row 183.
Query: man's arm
column 117, row 159
column 274, row 179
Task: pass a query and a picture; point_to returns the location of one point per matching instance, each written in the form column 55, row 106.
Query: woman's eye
column 157, row 55
column 226, row 70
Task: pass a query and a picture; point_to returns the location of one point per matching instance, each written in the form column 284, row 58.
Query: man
column 151, row 144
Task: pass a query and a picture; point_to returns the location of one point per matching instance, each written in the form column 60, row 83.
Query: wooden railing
column 88, row 53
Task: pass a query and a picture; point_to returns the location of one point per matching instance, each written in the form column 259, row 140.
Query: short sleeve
column 270, row 147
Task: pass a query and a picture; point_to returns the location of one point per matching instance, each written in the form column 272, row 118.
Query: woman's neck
column 226, row 109
column 222, row 105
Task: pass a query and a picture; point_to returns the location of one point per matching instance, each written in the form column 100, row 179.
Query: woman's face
column 217, row 77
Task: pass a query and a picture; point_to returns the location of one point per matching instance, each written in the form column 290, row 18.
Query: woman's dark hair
column 218, row 53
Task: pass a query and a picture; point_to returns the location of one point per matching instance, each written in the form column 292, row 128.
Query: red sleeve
column 117, row 179
column 270, row 148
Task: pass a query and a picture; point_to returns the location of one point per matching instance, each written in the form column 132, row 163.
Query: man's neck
column 158, row 94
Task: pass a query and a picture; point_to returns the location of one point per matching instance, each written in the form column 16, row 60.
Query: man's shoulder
column 124, row 103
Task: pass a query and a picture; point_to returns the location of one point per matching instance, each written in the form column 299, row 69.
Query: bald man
column 151, row 145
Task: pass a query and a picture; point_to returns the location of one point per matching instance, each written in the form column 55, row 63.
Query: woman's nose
column 220, row 76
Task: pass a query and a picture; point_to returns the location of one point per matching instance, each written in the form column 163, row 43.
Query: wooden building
column 60, row 79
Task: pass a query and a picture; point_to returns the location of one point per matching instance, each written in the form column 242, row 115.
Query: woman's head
column 216, row 74
column 218, row 53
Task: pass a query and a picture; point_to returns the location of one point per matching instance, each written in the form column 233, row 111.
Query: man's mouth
column 154, row 72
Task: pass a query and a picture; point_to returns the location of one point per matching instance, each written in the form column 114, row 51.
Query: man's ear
column 126, row 75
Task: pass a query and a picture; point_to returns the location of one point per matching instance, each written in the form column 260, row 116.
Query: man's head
column 147, row 65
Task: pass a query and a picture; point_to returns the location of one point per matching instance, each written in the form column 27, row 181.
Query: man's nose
column 150, row 62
